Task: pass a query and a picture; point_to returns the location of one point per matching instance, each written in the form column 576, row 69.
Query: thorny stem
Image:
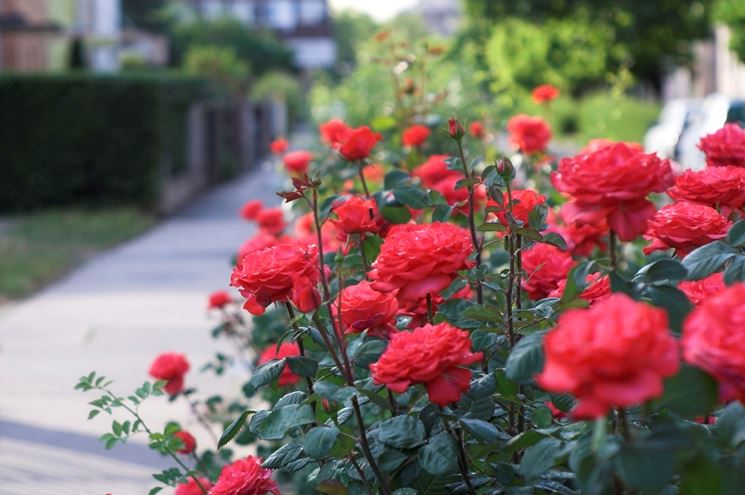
column 612, row 249
column 362, row 179
column 360, row 472
column 394, row 406
column 200, row 419
column 366, row 448
column 365, row 264
column 462, row 459
column 301, row 347
column 150, row 432
column 472, row 223
column 430, row 310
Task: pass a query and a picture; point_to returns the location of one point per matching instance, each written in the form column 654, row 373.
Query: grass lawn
column 38, row 248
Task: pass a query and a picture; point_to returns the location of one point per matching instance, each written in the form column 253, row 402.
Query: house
column 305, row 25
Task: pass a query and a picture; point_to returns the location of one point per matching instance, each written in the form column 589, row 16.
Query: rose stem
column 299, row 339
column 612, row 249
column 472, row 223
column 430, row 310
column 462, row 459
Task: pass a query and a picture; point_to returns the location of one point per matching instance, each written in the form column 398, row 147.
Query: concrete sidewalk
column 113, row 315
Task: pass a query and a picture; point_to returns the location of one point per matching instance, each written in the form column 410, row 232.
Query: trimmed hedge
column 79, row 138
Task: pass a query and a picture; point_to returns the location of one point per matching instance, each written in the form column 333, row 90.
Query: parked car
column 716, row 111
column 677, row 114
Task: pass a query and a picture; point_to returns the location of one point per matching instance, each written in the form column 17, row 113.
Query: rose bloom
column 191, row 487
column 364, row 308
column 685, row 226
column 358, row 143
column 245, row 477
column 279, row 146
column 421, row 259
column 614, row 354
column 297, row 162
column 262, row 240
column 333, row 131
column 544, row 266
column 459, row 195
column 373, row 172
column 714, row 340
column 529, row 134
column 523, row 202
column 286, row 349
column 418, row 311
column 356, row 215
column 434, row 174
column 610, row 186
column 581, row 238
column 415, row 135
column 477, row 130
column 725, row 147
column 455, row 129
column 272, row 220
column 545, row 93
column 598, row 288
column 251, row 209
column 712, row 186
column 698, row 291
column 219, row 299
column 600, row 143
column 433, row 355
column 278, row 274
column 171, row 367
column 190, row 443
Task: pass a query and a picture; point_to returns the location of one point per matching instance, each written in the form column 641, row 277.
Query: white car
column 677, row 114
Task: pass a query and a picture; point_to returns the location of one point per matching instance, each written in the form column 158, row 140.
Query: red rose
column 434, row 170
column 611, row 185
column 251, row 209
column 356, row 215
column 725, row 147
column 333, row 131
column 358, row 143
column 364, row 308
column 529, row 134
column 581, row 238
column 421, row 259
column 191, row 487
column 415, row 135
column 245, row 477
column 598, row 288
column 545, row 93
column 219, row 299
column 171, row 367
column 286, row 349
column 455, row 129
column 523, row 202
column 459, row 195
column 685, row 226
column 600, row 143
column 272, row 220
column 373, row 172
column 279, row 146
column 277, row 274
column 261, row 240
column 699, row 291
column 544, row 266
column 713, row 186
column 714, row 340
column 614, row 354
column 433, row 355
column 477, row 130
column 297, row 162
column 190, row 443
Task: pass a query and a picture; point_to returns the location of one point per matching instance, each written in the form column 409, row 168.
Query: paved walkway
column 113, row 315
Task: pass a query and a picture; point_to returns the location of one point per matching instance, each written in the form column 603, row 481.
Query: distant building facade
column 440, row 16
column 305, row 25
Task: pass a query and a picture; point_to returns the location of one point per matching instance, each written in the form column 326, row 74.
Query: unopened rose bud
column 505, row 167
column 455, row 130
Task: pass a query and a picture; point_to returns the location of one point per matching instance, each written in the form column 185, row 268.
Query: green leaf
column 620, row 284
column 736, row 234
column 661, row 270
column 563, row 402
column 540, row 458
column 644, row 468
column 320, row 440
column 369, row 352
column 396, row 178
column 284, row 455
column 701, row 476
column 707, row 259
column 302, row 366
column 730, row 427
column 576, row 282
column 735, row 272
column 483, row 431
column 371, row 247
column 396, row 214
column 673, row 301
column 439, row 455
column 402, row 432
column 690, row 393
column 555, row 240
column 491, row 227
column 233, row 428
column 442, row 213
column 275, row 424
column 155, row 490
column 526, row 358
column 412, row 196
column 267, row 372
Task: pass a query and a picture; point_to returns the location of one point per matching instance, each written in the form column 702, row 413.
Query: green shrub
column 92, row 139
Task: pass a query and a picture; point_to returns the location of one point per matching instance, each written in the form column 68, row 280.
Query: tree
column 351, row 29
column 732, row 13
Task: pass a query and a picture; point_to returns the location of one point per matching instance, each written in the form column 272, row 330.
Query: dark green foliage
column 80, row 138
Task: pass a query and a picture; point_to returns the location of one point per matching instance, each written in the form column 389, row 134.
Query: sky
column 378, row 9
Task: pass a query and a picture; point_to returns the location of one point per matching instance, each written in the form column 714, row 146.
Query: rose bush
column 417, row 320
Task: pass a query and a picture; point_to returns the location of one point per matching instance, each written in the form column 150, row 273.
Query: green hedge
column 79, row 138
